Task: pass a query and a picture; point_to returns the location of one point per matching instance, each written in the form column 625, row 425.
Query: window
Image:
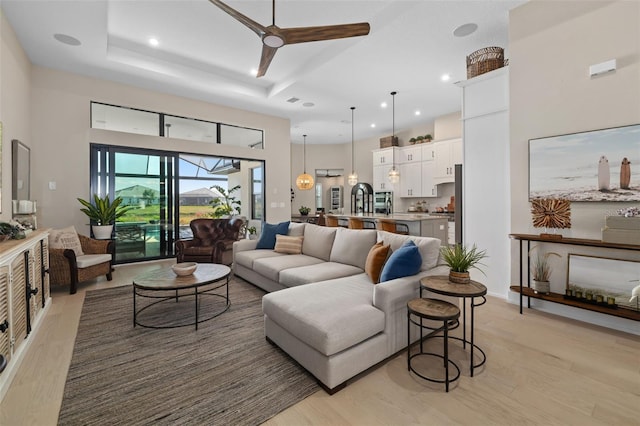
column 257, row 202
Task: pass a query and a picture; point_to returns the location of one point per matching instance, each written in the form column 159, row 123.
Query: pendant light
column 304, row 181
column 352, row 179
column 394, row 174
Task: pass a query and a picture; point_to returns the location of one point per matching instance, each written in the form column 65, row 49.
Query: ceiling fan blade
column 245, row 20
column 326, row 32
column 267, row 55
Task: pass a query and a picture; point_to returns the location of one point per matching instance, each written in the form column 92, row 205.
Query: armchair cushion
column 66, row 238
column 87, row 260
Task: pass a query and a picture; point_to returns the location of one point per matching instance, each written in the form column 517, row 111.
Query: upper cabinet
column 385, row 157
column 383, row 160
column 410, row 154
column 447, row 154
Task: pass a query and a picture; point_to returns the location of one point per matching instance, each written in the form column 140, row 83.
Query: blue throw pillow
column 268, row 236
column 403, row 262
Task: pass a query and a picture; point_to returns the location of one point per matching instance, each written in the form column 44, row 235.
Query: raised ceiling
column 205, row 54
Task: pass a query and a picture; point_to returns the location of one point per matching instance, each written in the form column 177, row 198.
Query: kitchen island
column 419, row 224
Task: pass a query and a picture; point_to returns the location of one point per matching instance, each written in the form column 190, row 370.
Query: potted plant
column 304, row 210
column 252, row 231
column 541, row 271
column 11, row 231
column 227, row 204
column 428, row 137
column 103, row 213
column 460, row 259
column 419, row 139
column 412, row 141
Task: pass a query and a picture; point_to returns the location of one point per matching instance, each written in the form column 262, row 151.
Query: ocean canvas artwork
column 599, row 165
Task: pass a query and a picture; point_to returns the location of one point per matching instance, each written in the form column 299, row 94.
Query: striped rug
column 225, row 373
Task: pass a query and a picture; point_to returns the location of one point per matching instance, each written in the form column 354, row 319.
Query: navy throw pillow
column 404, row 262
column 268, row 236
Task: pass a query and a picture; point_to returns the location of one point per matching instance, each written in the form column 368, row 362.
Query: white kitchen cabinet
column 428, row 152
column 411, row 180
column 385, row 156
column 447, row 154
column 410, row 154
column 381, row 179
column 429, row 187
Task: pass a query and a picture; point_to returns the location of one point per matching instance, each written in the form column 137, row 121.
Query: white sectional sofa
column 323, row 309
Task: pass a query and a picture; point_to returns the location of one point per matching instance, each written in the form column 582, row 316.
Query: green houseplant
column 428, row 137
column 541, row 271
column 460, row 259
column 304, row 210
column 103, row 213
column 227, row 204
column 412, row 141
column 419, row 139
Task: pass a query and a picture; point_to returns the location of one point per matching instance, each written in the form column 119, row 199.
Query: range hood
column 329, row 172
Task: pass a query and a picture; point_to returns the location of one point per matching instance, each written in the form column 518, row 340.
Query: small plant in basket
column 460, row 259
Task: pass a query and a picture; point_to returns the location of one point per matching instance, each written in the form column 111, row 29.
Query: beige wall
column 552, row 45
column 61, row 138
column 14, row 105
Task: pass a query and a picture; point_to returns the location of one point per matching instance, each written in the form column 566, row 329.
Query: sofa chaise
column 323, row 309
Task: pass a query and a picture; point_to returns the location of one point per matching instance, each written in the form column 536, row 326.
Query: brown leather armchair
column 212, row 241
column 65, row 268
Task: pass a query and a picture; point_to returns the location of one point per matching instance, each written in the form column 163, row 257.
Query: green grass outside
column 187, row 214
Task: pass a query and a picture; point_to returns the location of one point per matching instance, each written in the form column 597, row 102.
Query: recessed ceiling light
column 445, row 77
column 373, row 125
column 417, row 112
column 154, row 42
column 308, row 104
column 67, row 39
column 383, row 105
column 465, row 30
column 254, row 72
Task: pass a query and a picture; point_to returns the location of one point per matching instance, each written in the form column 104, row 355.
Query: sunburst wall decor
column 551, row 213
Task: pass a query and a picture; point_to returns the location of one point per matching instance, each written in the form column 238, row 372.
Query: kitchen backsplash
column 446, row 190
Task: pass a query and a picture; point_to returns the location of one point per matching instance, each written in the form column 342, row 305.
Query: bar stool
column 391, row 225
column 436, row 310
column 331, row 221
column 356, row 223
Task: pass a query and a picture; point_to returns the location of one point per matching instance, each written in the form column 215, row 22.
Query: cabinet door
column 383, row 157
column 5, row 347
column 381, row 178
column 18, row 314
column 443, row 160
column 410, row 154
column 428, row 152
column 429, row 187
column 411, row 180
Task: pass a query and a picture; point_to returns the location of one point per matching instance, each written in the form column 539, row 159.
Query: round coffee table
column 165, row 286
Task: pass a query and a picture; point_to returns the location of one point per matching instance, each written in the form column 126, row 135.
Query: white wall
column 60, row 120
column 15, row 91
column 552, row 45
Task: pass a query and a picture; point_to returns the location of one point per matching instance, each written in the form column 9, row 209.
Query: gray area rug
column 224, row 373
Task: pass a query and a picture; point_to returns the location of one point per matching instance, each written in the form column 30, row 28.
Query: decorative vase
column 541, row 287
column 102, row 232
column 459, row 277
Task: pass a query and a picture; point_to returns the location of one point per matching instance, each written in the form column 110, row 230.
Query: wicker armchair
column 65, row 268
column 212, row 241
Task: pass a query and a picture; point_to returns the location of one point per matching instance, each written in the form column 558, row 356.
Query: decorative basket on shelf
column 485, row 60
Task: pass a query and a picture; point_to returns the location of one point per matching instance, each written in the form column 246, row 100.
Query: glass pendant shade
column 394, row 175
column 352, row 179
column 305, row 180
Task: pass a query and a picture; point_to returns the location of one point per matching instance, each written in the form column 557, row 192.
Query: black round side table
column 436, row 310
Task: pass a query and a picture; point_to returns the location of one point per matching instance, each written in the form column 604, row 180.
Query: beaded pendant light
column 305, row 180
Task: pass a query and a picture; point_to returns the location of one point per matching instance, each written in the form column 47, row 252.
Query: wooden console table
column 559, row 298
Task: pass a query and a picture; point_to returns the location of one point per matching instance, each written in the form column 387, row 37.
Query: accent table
column 165, row 285
column 440, row 284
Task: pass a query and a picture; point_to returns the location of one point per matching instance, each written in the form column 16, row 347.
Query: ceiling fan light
column 273, row 41
column 304, row 181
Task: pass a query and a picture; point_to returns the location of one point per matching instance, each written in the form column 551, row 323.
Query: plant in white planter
column 103, row 213
column 541, row 271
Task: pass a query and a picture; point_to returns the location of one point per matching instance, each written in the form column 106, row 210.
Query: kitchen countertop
column 405, row 217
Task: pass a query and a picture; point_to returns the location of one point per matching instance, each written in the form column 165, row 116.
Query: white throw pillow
column 66, row 238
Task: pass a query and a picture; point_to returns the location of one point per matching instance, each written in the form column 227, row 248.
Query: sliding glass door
column 167, row 191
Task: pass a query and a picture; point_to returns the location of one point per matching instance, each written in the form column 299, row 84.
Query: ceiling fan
column 274, row 37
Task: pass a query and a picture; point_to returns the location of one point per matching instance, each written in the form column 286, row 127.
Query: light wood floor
column 541, row 369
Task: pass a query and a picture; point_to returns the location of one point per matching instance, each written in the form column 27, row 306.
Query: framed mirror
column 21, row 170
